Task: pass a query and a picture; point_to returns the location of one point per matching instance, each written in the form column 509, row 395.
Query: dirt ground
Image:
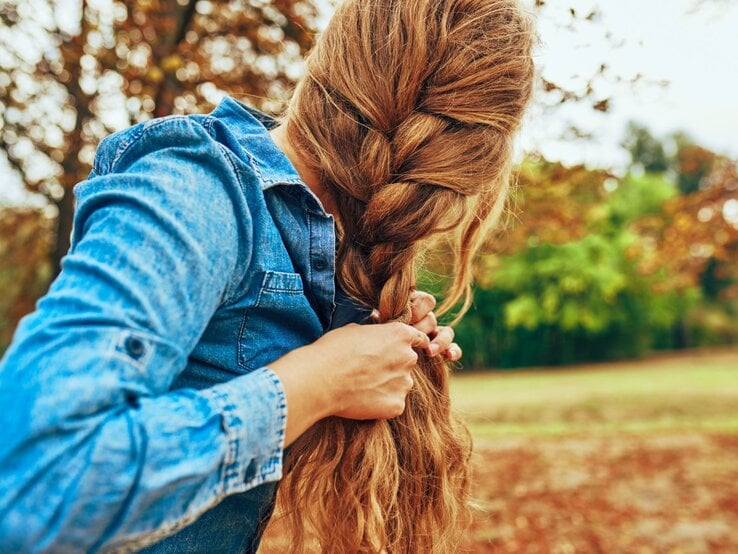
column 671, row 493
column 637, row 457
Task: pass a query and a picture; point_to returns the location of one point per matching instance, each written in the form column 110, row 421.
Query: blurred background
column 600, row 375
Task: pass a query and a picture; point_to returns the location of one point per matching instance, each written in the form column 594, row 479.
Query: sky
column 694, row 52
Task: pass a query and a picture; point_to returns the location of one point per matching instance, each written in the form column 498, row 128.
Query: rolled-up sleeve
column 96, row 453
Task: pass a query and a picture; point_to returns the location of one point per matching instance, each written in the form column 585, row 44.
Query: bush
column 559, row 304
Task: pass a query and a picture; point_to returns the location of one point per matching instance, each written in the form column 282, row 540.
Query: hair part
column 407, row 111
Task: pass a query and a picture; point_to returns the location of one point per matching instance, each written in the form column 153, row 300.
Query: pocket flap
column 278, row 281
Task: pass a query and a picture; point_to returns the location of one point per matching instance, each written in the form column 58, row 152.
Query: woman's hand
column 356, row 372
column 424, row 319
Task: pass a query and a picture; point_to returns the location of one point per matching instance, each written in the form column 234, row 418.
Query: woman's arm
column 95, row 451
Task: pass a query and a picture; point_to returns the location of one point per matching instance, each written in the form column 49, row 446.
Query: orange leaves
column 552, row 203
column 678, row 235
column 697, row 229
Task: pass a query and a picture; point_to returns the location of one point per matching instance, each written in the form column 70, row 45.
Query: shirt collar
column 250, row 127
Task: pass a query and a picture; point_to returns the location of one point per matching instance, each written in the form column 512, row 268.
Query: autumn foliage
column 591, row 266
column 25, row 241
column 695, row 237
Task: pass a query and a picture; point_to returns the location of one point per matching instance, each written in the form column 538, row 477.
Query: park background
column 600, row 375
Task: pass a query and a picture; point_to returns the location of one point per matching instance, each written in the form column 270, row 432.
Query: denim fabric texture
column 137, row 409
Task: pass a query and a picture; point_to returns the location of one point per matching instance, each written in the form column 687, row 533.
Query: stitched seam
column 254, row 166
column 125, row 146
column 261, row 289
column 285, row 291
column 241, row 361
column 237, row 176
column 122, row 148
column 241, row 353
column 291, row 277
column 285, row 181
column 270, row 275
column 310, row 249
column 208, row 125
column 227, row 412
column 280, row 415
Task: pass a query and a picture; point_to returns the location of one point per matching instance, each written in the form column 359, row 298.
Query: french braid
column 407, row 110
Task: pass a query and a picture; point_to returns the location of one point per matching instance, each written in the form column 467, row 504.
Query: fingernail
column 434, row 349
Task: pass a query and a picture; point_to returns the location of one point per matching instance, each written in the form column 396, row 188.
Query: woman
column 148, row 401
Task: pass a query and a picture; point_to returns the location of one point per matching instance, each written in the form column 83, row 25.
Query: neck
column 307, row 174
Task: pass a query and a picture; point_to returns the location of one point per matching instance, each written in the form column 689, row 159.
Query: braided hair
column 407, row 111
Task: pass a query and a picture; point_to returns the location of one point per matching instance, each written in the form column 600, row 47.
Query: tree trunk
column 63, row 229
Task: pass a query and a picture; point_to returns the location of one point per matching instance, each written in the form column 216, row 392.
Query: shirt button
column 320, row 264
column 135, row 347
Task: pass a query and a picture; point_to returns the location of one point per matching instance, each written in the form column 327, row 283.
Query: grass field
column 625, row 458
column 690, row 391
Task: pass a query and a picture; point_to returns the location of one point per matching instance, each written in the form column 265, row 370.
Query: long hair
column 407, row 111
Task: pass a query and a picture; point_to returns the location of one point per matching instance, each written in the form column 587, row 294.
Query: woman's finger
column 421, row 304
column 428, row 324
column 418, row 339
column 453, row 352
column 442, row 341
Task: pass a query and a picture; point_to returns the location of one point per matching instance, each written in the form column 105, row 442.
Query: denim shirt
column 137, row 406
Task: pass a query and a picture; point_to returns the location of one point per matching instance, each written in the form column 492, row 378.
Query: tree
column 693, row 164
column 646, row 151
column 564, row 281
column 66, row 82
column 695, row 237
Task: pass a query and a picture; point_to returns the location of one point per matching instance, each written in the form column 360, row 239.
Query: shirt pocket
column 280, row 319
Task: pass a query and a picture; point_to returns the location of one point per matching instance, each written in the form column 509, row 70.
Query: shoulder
column 195, row 150
column 119, row 149
column 173, row 162
column 176, row 182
